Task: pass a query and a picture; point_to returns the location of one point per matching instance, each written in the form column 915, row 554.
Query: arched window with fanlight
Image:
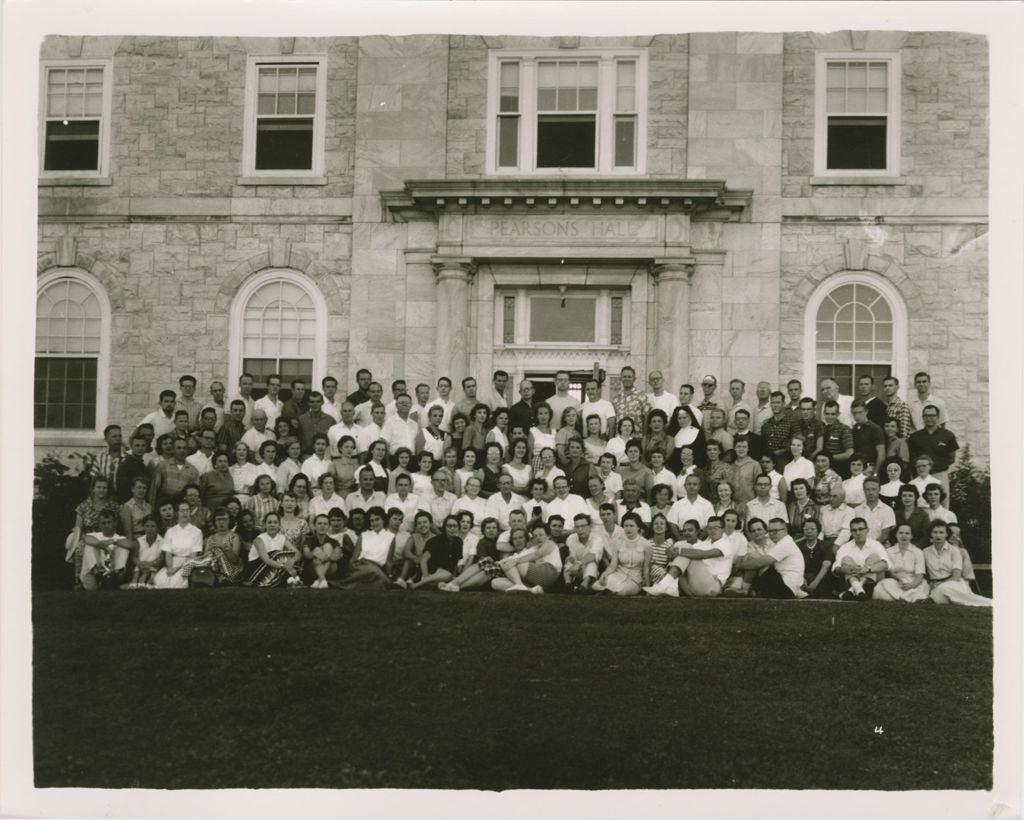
column 278, row 325
column 855, row 326
column 72, row 353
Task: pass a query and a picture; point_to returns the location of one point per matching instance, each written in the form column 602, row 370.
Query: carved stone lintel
column 453, row 267
column 856, row 252
column 280, row 252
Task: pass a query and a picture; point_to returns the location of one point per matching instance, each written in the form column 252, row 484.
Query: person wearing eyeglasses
column 860, row 563
column 779, row 569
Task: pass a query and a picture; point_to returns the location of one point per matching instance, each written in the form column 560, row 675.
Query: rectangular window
column 846, row 375
column 76, row 119
column 287, row 369
column 857, row 114
column 548, row 317
column 284, row 134
column 65, row 393
column 555, row 114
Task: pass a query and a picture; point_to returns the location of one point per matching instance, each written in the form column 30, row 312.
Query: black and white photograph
column 490, row 409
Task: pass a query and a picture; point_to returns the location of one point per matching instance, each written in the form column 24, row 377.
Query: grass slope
column 291, row 688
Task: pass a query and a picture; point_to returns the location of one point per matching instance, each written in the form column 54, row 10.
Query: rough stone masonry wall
column 735, row 130
column 667, row 69
column 944, row 118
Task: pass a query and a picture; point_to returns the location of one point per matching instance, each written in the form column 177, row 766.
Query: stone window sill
column 54, row 182
column 54, row 438
column 862, row 180
column 281, row 181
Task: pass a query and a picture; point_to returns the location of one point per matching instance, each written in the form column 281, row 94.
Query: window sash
column 515, row 320
column 75, row 107
column 66, row 392
column 514, row 122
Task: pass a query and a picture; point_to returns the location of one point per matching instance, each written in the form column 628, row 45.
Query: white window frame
column 237, row 316
column 893, row 117
column 319, row 115
column 900, row 327
column 58, row 435
column 103, row 159
column 602, row 319
column 605, row 148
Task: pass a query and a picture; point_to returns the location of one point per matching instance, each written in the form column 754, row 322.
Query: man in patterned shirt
column 895, row 407
column 630, row 402
column 107, row 462
column 808, row 425
column 777, row 431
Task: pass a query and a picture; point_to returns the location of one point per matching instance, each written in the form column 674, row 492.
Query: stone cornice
column 702, row 198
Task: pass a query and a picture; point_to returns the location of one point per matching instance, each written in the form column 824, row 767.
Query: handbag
column 202, row 577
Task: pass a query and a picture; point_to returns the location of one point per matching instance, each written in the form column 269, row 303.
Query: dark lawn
column 294, row 688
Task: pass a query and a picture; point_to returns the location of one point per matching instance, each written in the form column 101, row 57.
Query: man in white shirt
column 923, row 385
column 444, row 401
column 692, row 506
column 437, row 500
column 686, row 392
column 830, row 392
column 364, row 496
column 561, row 400
column 879, row 516
column 245, row 382
column 860, row 563
column 202, row 459
column 700, row 569
column 836, row 517
column 419, row 407
column 780, row 567
column 163, row 418
column 270, row 404
column 499, row 395
column 762, row 505
column 345, row 427
column 405, row 500
column 332, row 405
column 364, row 410
column 566, row 504
column 584, row 550
column 504, row 502
column 257, row 434
column 397, row 389
column 658, row 397
column 216, row 402
column 372, row 430
column 763, row 410
column 595, row 405
column 736, row 389
column 399, row 430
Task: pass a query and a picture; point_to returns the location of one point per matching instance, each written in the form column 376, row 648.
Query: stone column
column 453, row 275
column 672, row 277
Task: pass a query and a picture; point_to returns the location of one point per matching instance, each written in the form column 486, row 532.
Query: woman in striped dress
column 272, row 560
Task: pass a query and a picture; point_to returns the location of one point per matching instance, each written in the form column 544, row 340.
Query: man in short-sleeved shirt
column 270, row 403
column 837, row 440
column 762, row 505
column 868, row 437
column 594, row 405
column 860, row 563
column 895, row 407
column 630, row 402
column 659, row 397
column 923, row 397
column 780, row 567
column 934, row 441
column 879, row 516
column 777, row 431
column 561, row 400
column 691, row 506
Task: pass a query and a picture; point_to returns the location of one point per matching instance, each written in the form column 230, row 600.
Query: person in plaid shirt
column 895, row 407
column 630, row 403
column 107, row 462
column 778, row 430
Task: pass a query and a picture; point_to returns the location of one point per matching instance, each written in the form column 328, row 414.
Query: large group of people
column 648, row 493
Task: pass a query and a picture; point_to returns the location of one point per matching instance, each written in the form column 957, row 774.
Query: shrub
column 60, row 485
column 970, row 490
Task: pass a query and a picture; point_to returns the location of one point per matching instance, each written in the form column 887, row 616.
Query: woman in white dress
column 594, row 443
column 541, row 434
column 944, row 565
column 630, row 565
column 905, row 578
column 180, row 543
column 499, row 428
column 468, row 470
column 243, row 473
column 798, row 467
column 617, row 443
column 519, row 469
column 375, row 550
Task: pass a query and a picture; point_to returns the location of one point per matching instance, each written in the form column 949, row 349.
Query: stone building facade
column 444, row 213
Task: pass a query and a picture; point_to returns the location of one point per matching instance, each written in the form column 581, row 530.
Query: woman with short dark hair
column 630, row 567
column 533, row 568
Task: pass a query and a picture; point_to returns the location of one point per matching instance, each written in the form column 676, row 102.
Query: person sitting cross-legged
column 585, row 548
column 438, row 561
column 483, row 566
column 532, row 568
column 779, row 569
column 700, row 569
column 860, row 563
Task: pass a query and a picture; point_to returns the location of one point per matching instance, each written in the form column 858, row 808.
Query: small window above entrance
column 562, row 316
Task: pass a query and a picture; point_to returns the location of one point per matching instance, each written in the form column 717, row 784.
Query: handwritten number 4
column 878, row 730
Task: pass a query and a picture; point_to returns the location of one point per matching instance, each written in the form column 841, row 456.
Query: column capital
column 453, row 267
column 673, row 269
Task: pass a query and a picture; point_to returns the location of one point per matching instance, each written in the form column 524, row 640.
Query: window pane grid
column 74, row 93
column 857, row 87
column 286, row 90
column 508, row 335
column 65, row 393
column 854, row 323
column 68, row 319
column 279, row 324
column 615, row 337
column 567, row 85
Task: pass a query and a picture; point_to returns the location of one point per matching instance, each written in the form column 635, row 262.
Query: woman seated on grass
column 375, row 549
column 181, row 542
column 148, row 556
column 944, row 566
column 321, row 553
column 630, row 567
column 482, row 566
column 534, row 567
column 222, row 552
column 904, row 579
column 272, row 560
column 437, row 563
column 104, row 553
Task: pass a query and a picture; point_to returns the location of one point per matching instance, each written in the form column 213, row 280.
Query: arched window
column 72, row 350
column 856, row 326
column 278, row 324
